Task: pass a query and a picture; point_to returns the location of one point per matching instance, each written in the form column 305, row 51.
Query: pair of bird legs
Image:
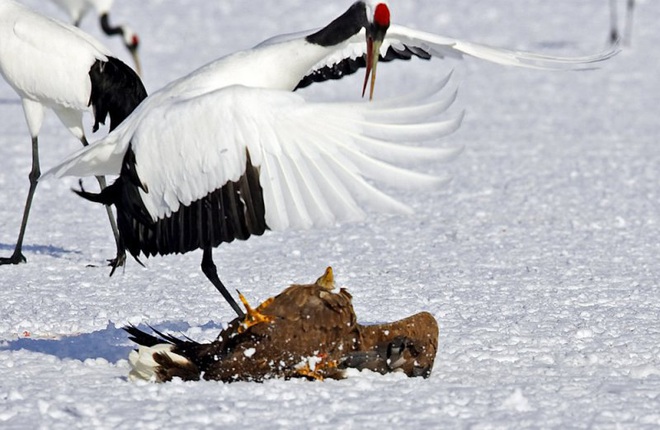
column 17, row 257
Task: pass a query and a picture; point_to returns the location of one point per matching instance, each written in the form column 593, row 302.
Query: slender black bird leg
column 614, row 22
column 18, row 257
column 211, row 272
column 120, row 259
column 629, row 22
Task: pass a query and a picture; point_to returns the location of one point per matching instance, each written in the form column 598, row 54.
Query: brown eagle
column 306, row 331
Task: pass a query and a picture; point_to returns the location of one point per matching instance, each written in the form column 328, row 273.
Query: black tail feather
column 141, row 338
column 145, row 339
column 107, row 196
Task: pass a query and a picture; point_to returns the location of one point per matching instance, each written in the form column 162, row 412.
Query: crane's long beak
column 136, row 60
column 373, row 54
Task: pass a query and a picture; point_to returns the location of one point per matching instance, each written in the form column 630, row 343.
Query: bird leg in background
column 120, row 259
column 615, row 35
column 18, row 257
column 630, row 5
column 211, row 272
column 614, row 22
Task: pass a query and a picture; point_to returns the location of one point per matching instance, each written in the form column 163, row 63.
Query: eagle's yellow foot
column 254, row 316
column 327, row 281
column 315, row 368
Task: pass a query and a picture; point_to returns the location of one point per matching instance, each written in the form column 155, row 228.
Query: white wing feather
column 314, row 158
column 446, row 46
column 441, row 46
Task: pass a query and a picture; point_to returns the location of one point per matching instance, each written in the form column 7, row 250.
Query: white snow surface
column 539, row 261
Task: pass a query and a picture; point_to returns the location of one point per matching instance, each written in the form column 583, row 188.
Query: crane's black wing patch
column 234, row 211
column 348, row 66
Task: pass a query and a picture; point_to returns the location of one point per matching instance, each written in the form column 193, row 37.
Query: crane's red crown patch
column 382, row 15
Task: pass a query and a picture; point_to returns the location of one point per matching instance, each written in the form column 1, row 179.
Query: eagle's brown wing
column 309, row 325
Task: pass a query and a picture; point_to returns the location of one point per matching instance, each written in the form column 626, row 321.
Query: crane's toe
column 16, row 258
column 118, row 261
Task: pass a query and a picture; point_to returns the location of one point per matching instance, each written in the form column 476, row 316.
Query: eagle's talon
column 254, row 316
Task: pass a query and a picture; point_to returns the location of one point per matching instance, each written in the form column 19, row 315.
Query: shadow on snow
column 110, row 343
column 53, row 251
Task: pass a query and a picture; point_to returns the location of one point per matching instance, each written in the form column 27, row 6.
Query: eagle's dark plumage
column 305, row 331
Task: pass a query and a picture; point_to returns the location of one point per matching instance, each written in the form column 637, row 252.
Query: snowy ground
column 540, row 260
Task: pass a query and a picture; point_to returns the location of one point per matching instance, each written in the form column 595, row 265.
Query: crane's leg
column 17, row 257
column 629, row 22
column 614, row 22
column 120, row 259
column 211, row 272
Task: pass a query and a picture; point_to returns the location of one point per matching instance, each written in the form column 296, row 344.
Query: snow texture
column 539, row 260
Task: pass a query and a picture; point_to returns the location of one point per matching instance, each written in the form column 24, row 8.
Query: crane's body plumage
column 207, row 123
column 58, row 67
column 26, row 44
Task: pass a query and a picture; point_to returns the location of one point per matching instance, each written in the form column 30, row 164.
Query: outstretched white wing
column 316, row 160
column 404, row 43
column 437, row 45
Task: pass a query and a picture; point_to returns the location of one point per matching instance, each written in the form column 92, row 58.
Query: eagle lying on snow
column 306, row 331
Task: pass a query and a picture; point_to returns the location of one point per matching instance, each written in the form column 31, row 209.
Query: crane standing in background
column 56, row 66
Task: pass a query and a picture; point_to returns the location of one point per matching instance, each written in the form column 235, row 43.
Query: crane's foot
column 118, row 261
column 16, row 258
column 254, row 316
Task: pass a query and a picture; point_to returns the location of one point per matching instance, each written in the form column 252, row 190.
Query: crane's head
column 371, row 15
column 378, row 19
column 130, row 38
column 132, row 42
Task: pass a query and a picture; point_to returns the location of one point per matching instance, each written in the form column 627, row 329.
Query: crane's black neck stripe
column 116, row 91
column 234, row 211
column 343, row 27
column 107, row 28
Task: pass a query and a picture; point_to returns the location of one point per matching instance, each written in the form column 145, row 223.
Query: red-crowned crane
column 57, row 66
column 228, row 151
column 77, row 9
